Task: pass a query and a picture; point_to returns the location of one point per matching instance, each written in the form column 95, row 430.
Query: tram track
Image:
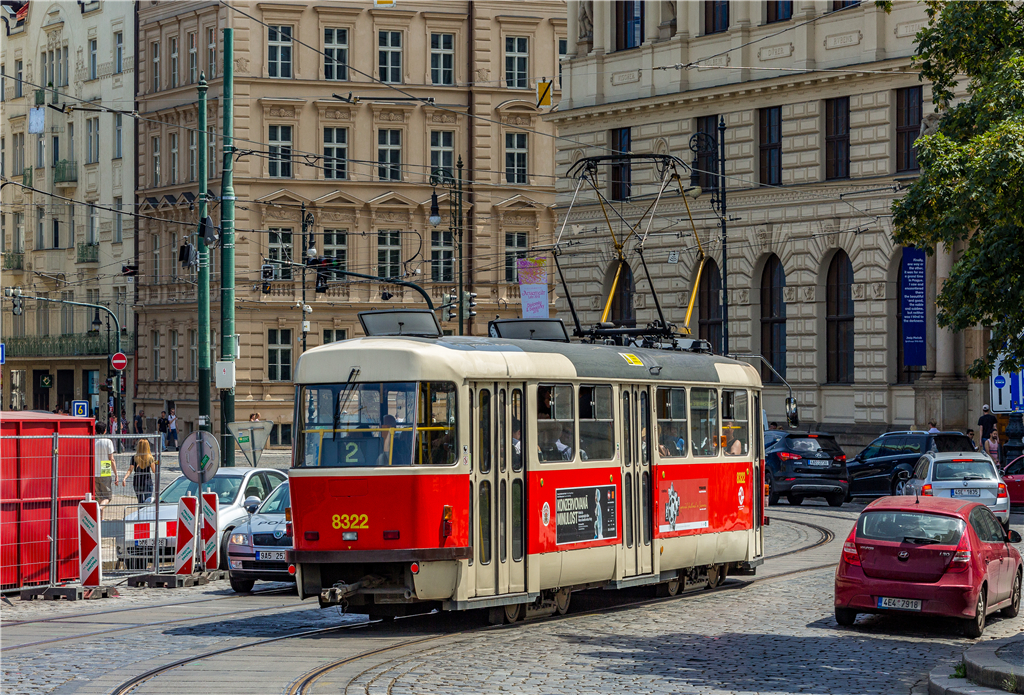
column 304, row 684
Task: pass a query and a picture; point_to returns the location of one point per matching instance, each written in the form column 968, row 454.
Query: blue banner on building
column 912, row 307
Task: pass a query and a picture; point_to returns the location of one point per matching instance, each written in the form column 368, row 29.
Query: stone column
column 652, row 21
column 603, row 39
column 572, row 26
column 944, row 343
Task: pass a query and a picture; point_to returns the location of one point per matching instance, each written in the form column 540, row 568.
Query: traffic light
column 321, row 281
column 468, row 302
column 447, row 308
column 108, row 385
column 267, row 271
column 18, row 303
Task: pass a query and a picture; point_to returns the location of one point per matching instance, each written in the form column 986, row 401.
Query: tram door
column 636, row 481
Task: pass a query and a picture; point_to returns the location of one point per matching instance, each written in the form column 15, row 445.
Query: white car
column 966, row 475
column 232, row 485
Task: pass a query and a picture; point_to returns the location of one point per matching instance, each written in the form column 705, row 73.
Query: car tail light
column 288, row 529
column 391, row 535
column 446, row 521
column 311, row 535
column 813, row 436
column 850, row 554
column 962, row 557
column 1002, row 491
column 787, row 456
column 841, row 458
column 926, row 490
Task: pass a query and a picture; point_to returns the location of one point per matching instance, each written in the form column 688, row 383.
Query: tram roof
column 456, row 359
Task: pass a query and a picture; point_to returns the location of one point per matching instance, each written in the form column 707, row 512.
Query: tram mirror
column 791, row 414
column 412, row 322
column 251, row 504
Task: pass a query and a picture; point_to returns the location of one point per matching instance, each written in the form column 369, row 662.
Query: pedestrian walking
column 106, row 469
column 161, row 426
column 992, row 446
column 932, row 429
column 172, row 429
column 140, row 422
column 986, row 422
column 143, row 466
column 970, row 433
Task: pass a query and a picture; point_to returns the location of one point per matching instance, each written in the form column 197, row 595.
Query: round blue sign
column 999, row 381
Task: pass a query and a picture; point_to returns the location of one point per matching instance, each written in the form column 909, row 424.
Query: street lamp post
column 705, row 143
column 444, row 178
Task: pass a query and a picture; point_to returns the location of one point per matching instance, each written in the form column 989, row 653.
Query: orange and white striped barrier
column 89, row 568
column 184, row 556
column 208, row 534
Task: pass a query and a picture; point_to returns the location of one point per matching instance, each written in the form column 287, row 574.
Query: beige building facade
column 62, row 234
column 821, row 106
column 357, row 169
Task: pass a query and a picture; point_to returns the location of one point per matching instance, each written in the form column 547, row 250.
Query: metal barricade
column 43, row 480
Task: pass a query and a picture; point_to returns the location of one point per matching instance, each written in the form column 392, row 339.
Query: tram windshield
column 377, row 424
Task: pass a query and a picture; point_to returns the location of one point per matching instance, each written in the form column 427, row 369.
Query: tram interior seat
column 401, row 449
column 548, row 432
column 596, row 439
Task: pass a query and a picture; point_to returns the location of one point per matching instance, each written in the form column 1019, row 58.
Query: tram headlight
column 239, row 539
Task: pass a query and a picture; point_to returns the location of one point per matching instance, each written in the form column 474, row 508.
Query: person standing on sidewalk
column 143, row 465
column 986, row 422
column 172, row 429
column 992, row 446
column 106, row 469
column 140, row 422
column 161, row 426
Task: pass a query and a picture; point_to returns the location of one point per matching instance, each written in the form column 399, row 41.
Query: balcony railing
column 67, row 345
column 89, row 253
column 26, row 176
column 14, row 261
column 65, row 171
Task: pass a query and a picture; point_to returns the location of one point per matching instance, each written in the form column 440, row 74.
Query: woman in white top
column 172, row 429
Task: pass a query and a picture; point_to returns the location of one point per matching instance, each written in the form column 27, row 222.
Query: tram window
column 472, row 451
column 704, row 421
column 502, row 511
column 597, row 428
column 436, row 429
column 670, row 405
column 472, row 499
column 485, row 522
column 627, row 509
column 627, row 431
column 556, row 433
column 645, row 502
column 502, row 426
column 484, row 429
column 517, row 520
column 645, row 429
column 735, row 423
column 518, row 445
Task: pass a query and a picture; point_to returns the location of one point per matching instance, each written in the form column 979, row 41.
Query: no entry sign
column 119, row 361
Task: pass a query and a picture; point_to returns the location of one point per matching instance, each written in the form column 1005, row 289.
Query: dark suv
column 799, row 465
column 875, row 472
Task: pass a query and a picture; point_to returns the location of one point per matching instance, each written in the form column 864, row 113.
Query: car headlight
column 239, row 539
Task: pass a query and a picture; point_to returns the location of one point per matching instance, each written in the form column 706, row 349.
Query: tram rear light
column 291, row 570
column 391, row 535
column 850, row 554
column 287, row 513
column 446, row 521
column 414, row 568
column 447, row 514
column 311, row 535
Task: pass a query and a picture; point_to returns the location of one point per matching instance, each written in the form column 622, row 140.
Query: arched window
column 623, row 313
column 773, row 319
column 709, row 306
column 839, row 319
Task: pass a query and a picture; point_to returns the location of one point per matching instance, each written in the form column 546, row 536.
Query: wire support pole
column 203, row 291
column 227, row 257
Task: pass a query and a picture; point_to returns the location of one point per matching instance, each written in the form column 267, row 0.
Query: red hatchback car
column 931, row 555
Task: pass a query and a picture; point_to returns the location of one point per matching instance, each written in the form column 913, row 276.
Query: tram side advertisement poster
column 585, row 514
column 684, row 505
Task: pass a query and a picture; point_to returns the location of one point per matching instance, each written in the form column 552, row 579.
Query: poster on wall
column 684, row 505
column 912, row 308
column 585, row 514
column 533, row 287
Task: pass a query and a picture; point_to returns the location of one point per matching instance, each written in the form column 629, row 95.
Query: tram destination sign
column 585, row 514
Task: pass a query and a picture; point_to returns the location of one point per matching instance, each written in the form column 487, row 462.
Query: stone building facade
column 358, row 167
column 821, row 106
column 70, row 62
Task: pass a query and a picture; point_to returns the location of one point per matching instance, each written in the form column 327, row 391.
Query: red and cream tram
column 473, row 472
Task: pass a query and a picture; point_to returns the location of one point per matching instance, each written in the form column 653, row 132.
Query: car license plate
column 270, row 555
column 966, row 492
column 818, row 462
column 902, row 604
column 149, row 541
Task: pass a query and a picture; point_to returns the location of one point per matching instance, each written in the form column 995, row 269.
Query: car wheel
column 836, row 500
column 973, row 627
column 242, row 586
column 795, row 500
column 773, row 494
column 898, row 486
column 1013, row 609
column 1006, row 526
column 846, row 616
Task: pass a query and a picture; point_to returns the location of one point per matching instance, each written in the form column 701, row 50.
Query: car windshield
column 952, row 442
column 277, row 501
column 960, row 470
column 917, row 526
column 225, row 486
column 812, row 444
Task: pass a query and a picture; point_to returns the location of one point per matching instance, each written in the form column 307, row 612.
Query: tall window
column 908, row 127
column 621, row 172
column 389, row 155
column 779, row 10
column 193, row 58
column 119, row 52
column 174, row 62
column 92, row 140
column 904, row 374
column 93, row 72
column 839, row 319
column 92, row 230
column 280, row 151
column 515, row 248
column 118, row 220
column 154, row 49
column 121, row 299
column 332, row 335
column 442, row 257
column 71, row 141
column 442, row 151
column 335, row 247
column 335, row 54
column 716, row 16
column 156, row 356
column 629, row 24
column 174, row 356
column 174, row 157
column 563, row 50
column 55, row 228
column 19, row 232
column 389, row 253
column 55, row 151
column 843, row 4
column 67, row 314
column 155, row 142
column 211, row 52
column 389, row 56
column 442, row 59
column 335, row 153
column 3, row 83
column 41, row 229
column 279, row 354
column 516, row 157
column 280, row 249
column 837, row 138
column 19, row 153
column 773, row 318
column 623, row 313
column 517, row 61
column 118, row 137
column 193, row 355
column 709, row 306
column 279, row 51
column 40, row 152
column 707, row 161
column 157, row 265
column 192, row 139
column 771, row 146
column 18, row 73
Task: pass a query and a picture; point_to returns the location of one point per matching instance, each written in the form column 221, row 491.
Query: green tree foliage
column 971, row 186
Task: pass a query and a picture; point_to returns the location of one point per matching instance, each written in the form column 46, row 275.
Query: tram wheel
column 513, row 613
column 669, row 588
column 562, row 601
column 716, row 573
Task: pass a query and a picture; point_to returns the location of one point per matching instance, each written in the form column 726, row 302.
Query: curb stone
column 941, row 682
column 986, row 668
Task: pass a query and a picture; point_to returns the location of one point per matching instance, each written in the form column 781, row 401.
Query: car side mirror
column 251, row 504
column 1014, row 537
column 903, row 475
column 792, row 417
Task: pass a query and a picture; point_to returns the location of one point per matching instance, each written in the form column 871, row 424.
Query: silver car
column 961, row 475
column 256, row 548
